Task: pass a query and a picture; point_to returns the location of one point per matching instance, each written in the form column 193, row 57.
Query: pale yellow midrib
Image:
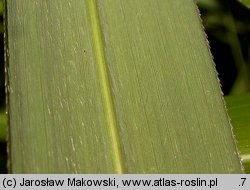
column 105, row 86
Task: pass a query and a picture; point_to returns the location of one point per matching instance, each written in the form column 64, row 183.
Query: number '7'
column 244, row 179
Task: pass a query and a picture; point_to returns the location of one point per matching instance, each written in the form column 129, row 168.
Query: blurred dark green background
column 227, row 24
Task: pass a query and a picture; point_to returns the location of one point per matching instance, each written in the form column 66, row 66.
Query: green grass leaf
column 3, row 125
column 114, row 86
column 239, row 111
column 245, row 2
column 1, row 7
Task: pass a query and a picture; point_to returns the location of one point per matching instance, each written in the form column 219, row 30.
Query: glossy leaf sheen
column 114, row 86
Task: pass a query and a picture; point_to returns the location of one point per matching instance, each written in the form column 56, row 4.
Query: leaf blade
column 160, row 71
column 168, row 79
column 57, row 120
